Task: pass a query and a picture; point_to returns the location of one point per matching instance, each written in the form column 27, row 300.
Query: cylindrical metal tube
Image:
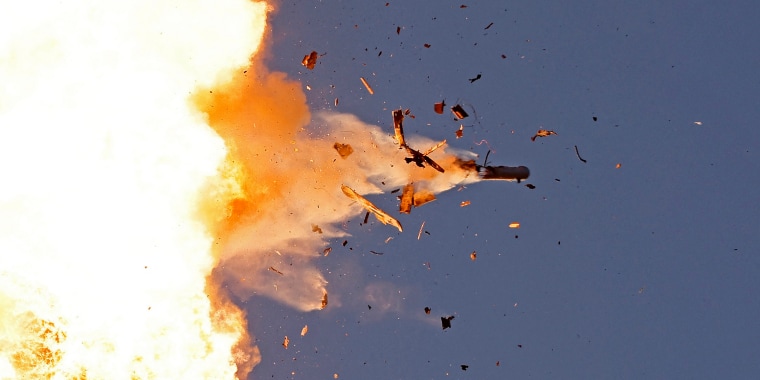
column 507, row 173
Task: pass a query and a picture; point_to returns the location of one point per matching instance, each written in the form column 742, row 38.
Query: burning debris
column 309, row 60
column 464, row 203
column 381, row 215
column 473, row 256
column 411, row 198
column 514, row 225
column 324, row 300
column 344, row 150
column 285, row 342
column 304, row 330
column 459, row 112
column 542, row 133
column 460, row 132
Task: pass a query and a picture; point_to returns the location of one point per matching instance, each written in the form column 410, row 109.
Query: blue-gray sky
column 644, row 271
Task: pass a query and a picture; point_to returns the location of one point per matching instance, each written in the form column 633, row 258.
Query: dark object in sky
column 518, row 173
column 366, row 217
column 542, row 133
column 398, row 30
column 369, row 307
column 344, row 150
column 427, row 310
column 446, row 322
column 324, row 300
column 345, row 242
column 427, row 46
column 438, row 107
column 464, row 367
column 398, row 126
column 519, row 345
column 459, row 112
column 462, row 6
column 530, row 186
column 579, row 155
column 377, row 253
column 489, row 25
column 476, row 78
column 276, row 271
column 310, row 60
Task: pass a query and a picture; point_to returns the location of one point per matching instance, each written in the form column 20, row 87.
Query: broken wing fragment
column 407, row 198
column 381, row 215
column 542, row 133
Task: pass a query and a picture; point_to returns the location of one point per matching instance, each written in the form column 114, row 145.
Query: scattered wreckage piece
column 324, row 300
column 381, row 215
column 446, row 322
column 310, row 60
column 344, row 150
column 438, row 107
column 407, row 199
column 273, row 269
column 542, row 133
column 418, row 157
column 398, row 126
column 508, row 173
column 459, row 112
column 579, row 155
column 367, row 86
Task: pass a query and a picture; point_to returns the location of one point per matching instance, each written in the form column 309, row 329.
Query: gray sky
column 644, row 271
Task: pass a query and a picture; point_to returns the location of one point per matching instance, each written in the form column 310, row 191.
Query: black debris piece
column 530, row 186
column 446, row 322
column 579, row 155
column 398, row 30
column 427, row 46
column 369, row 307
column 366, row 217
column 377, row 253
column 489, row 25
column 464, row 367
column 594, row 118
column 345, row 242
column 459, row 112
column 476, row 78
column 427, row 310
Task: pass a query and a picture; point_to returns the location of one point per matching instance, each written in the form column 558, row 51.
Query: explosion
column 155, row 170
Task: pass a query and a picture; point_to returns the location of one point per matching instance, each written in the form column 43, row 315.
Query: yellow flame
column 103, row 266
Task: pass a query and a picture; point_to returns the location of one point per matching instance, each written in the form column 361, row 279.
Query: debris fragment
column 594, row 118
column 304, row 330
column 315, row 228
column 427, row 310
column 530, row 186
column 489, row 25
column 324, row 300
column 579, row 155
column 438, row 107
column 462, row 6
column 276, row 271
column 366, row 216
column 427, row 46
column 285, row 342
column 398, row 126
column 459, row 112
column 698, row 123
column 464, row 203
column 377, row 253
column 419, row 233
column 460, row 132
column 345, row 242
column 407, row 198
column 464, row 367
column 446, row 322
column 381, row 215
column 498, row 363
column 514, row 225
column 336, row 102
column 617, row 166
column 398, row 30
column 310, row 60
column 327, row 251
column 369, row 88
column 473, row 256
column 476, row 78
column 509, row 173
column 542, row 133
column 344, row 150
